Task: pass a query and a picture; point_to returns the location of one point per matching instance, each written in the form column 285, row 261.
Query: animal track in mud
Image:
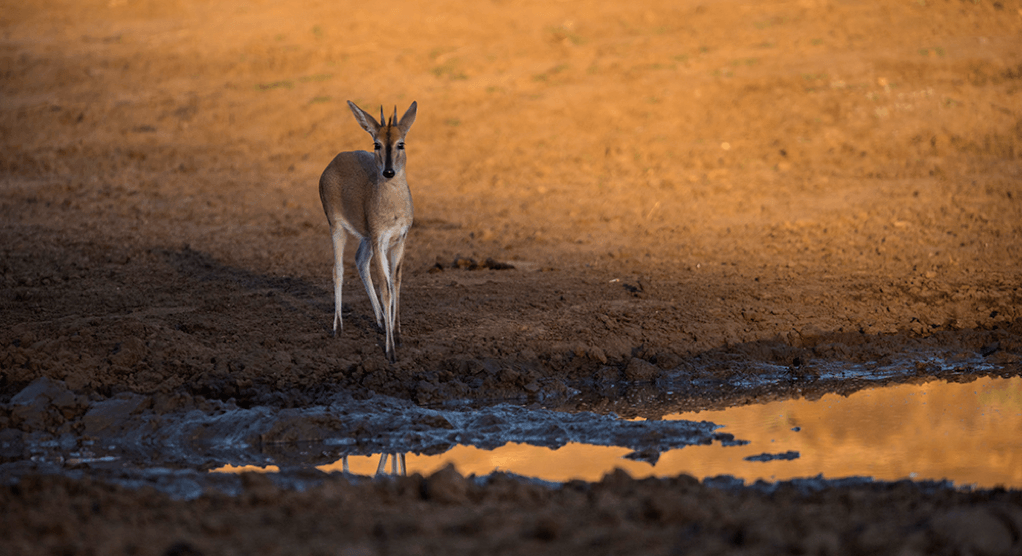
column 468, row 263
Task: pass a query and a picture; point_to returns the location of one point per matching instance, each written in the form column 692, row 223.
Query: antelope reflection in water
column 397, row 464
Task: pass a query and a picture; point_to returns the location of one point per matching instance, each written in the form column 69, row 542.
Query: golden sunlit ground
column 696, row 192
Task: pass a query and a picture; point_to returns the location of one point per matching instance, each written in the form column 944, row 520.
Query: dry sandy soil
column 685, row 190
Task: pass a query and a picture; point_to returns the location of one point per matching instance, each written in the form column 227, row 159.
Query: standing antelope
column 366, row 195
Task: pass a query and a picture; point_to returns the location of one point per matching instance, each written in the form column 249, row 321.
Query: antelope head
column 388, row 138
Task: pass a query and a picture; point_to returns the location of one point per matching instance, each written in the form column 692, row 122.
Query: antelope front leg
column 396, row 256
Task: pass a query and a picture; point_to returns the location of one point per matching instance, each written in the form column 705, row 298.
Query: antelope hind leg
column 339, row 237
column 363, row 257
column 387, row 293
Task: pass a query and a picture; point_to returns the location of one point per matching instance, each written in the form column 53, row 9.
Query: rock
column 41, row 390
column 107, row 416
column 446, row 486
column 973, row 531
column 641, row 370
column 33, row 403
column 129, row 353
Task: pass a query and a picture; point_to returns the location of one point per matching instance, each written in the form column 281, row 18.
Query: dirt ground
column 683, row 190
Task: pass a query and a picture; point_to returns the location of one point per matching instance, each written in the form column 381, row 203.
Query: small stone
column 973, row 531
column 446, row 486
column 640, row 370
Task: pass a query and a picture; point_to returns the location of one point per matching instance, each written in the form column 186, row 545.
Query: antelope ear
column 364, row 119
column 408, row 119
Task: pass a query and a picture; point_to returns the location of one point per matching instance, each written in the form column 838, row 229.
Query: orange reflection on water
column 969, row 433
column 245, row 469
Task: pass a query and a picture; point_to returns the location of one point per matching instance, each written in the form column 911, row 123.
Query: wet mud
column 621, row 211
column 126, row 429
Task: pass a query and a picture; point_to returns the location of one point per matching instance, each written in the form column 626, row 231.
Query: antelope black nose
column 388, row 174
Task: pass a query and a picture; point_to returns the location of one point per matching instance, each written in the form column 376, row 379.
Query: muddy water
column 967, row 433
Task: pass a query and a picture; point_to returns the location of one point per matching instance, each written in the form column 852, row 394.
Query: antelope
column 366, row 195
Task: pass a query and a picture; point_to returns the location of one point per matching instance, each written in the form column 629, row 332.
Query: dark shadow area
column 168, row 322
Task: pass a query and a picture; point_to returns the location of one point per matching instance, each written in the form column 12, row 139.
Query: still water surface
column 969, row 433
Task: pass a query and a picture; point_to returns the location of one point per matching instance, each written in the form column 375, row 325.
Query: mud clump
column 783, row 456
column 639, row 370
column 446, row 487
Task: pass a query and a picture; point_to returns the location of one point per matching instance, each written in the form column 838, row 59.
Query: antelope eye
column 401, row 146
column 378, row 146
